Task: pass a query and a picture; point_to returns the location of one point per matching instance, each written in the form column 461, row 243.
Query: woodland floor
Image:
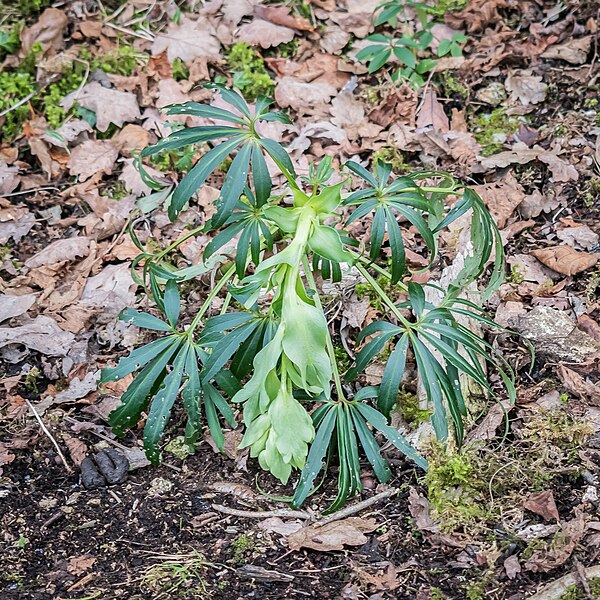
column 518, row 116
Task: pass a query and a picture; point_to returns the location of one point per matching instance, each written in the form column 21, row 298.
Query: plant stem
column 211, row 296
column 376, row 267
column 179, row 241
column 386, row 299
column 329, row 342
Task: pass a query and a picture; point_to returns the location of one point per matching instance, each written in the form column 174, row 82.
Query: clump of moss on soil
column 249, row 73
column 468, row 487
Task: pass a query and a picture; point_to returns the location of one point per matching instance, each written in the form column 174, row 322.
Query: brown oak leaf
column 566, row 260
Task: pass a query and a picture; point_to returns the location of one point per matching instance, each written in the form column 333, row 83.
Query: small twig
column 263, row 514
column 19, row 103
column 49, row 435
column 351, row 510
column 148, row 36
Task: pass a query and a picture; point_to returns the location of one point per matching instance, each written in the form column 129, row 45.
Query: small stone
column 555, row 335
column 160, row 486
column 591, row 494
column 493, row 94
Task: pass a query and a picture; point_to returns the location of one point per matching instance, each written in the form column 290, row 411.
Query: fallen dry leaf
column 558, row 551
column 187, row 40
column 576, row 384
column 48, row 32
column 77, row 449
column 300, row 95
column 78, row 565
column 278, row 525
column 130, row 139
column 41, row 334
column 526, row 88
column 265, row 33
column 589, row 325
column 333, row 536
column 566, row 260
column 512, row 566
column 91, row 157
column 239, row 490
column 575, row 51
column 9, row 178
column 432, row 114
column 110, row 106
column 280, row 15
column 61, row 250
column 502, row 198
column 580, row 238
column 15, row 306
column 543, row 504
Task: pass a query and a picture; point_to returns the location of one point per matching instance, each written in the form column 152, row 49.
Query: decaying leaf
column 14, row 306
column 526, row 88
column 432, row 114
column 543, row 504
column 300, row 95
column 576, row 384
column 41, row 334
column 574, row 51
column 110, row 106
column 78, row 565
column 502, row 198
column 61, row 250
column 566, row 260
column 265, row 34
column 48, row 32
column 91, row 157
column 333, row 536
column 278, row 525
column 558, row 551
column 187, row 40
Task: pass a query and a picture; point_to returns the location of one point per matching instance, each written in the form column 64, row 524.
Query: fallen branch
column 351, row 510
column 557, row 589
column 263, row 514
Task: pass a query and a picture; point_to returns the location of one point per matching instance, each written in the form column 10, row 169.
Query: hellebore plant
column 273, row 355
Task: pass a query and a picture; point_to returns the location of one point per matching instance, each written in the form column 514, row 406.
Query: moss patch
column 492, row 129
column 249, row 73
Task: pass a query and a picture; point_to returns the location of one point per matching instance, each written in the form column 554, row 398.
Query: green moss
column 576, row 592
column 436, row 594
column 341, row 357
column 23, row 8
column 243, row 546
column 410, row 409
column 452, row 485
column 287, row 50
column 491, row 130
column 452, row 86
column 441, row 7
column 31, row 380
column 516, row 275
column 180, row 70
column 249, row 73
column 9, row 39
column 394, row 157
column 13, row 88
column 116, row 191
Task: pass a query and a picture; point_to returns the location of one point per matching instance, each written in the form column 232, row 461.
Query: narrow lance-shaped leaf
column 162, row 404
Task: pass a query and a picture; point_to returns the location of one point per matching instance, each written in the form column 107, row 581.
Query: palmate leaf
column 241, row 139
column 388, row 200
column 349, row 421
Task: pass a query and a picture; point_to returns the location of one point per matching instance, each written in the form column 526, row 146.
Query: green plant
column 274, row 354
column 249, row 73
column 409, row 47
